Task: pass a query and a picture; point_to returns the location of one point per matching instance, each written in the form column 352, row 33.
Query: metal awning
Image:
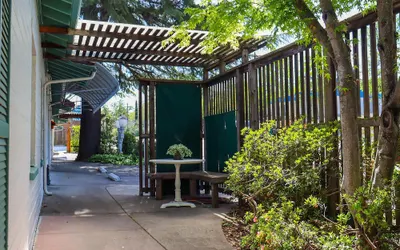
column 96, row 91
column 96, row 41
column 65, row 14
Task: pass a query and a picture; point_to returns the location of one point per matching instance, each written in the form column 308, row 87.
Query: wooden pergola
column 96, row 41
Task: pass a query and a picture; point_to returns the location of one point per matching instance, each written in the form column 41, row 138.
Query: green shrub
column 278, row 174
column 286, row 163
column 284, row 227
column 115, row 159
column 75, row 138
column 108, row 136
column 129, row 145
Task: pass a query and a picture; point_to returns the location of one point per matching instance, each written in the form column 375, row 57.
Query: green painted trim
column 34, row 171
column 75, row 13
column 6, row 8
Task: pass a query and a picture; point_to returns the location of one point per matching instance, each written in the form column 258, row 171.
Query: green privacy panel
column 178, row 120
column 221, row 140
column 4, row 117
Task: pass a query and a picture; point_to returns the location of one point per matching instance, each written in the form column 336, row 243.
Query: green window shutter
column 5, row 18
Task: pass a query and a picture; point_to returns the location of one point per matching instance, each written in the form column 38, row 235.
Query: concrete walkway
column 87, row 211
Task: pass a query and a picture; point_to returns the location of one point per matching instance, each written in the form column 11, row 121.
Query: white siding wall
column 25, row 196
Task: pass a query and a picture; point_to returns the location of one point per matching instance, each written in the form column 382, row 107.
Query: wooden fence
column 286, row 84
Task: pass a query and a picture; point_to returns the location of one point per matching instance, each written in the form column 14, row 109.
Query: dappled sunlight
column 89, row 168
column 82, row 212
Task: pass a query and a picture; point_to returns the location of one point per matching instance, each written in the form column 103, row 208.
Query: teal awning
column 65, row 13
column 96, row 91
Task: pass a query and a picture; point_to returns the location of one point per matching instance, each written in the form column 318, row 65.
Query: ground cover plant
column 115, row 159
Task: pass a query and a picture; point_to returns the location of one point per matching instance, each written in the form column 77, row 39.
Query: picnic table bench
column 214, row 178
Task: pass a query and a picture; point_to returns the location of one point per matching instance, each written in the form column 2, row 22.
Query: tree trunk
column 348, row 100
column 333, row 42
column 388, row 129
column 89, row 139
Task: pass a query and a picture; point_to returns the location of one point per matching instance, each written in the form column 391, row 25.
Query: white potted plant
column 179, row 151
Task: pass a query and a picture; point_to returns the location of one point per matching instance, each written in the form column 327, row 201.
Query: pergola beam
column 127, row 50
column 168, row 81
column 237, row 54
column 86, row 59
column 91, row 33
column 67, row 116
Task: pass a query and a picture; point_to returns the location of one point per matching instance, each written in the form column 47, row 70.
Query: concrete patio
column 88, row 211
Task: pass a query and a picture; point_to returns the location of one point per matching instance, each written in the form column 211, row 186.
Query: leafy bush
column 75, row 138
column 115, row 159
column 286, row 226
column 278, row 174
column 286, row 163
column 283, row 227
column 129, row 145
column 108, row 136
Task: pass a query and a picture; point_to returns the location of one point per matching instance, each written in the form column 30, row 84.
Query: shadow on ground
column 88, row 211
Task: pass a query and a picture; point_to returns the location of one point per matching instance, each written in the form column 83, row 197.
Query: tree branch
column 315, row 27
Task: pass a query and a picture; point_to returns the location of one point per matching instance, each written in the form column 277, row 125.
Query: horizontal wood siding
column 4, row 128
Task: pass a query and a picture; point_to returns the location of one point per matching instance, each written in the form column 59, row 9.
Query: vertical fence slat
column 146, row 140
column 239, row 106
column 277, row 82
column 297, row 82
column 210, row 100
column 314, row 87
column 272, row 95
column 232, row 94
column 268, row 91
column 253, row 97
column 216, row 94
column 291, row 83
column 260, row 95
column 286, row 94
column 222, row 95
column 246, row 99
column 140, row 116
column 302, row 87
column 152, row 136
column 281, row 92
column 205, row 100
column 356, row 66
column 219, row 92
column 320, row 96
column 264, row 92
column 308, row 87
column 374, row 77
column 225, row 100
column 226, row 95
column 365, row 80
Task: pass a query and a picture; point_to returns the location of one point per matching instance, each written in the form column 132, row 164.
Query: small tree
column 75, row 138
column 108, row 140
column 129, row 145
